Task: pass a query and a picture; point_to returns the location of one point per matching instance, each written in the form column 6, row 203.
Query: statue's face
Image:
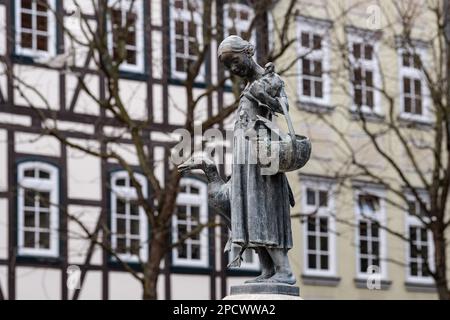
column 239, row 64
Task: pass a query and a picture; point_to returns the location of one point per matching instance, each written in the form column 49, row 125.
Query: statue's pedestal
column 264, row 291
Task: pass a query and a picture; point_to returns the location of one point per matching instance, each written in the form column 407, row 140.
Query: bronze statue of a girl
column 260, row 212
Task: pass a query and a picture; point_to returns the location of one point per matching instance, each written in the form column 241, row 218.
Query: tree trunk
column 440, row 258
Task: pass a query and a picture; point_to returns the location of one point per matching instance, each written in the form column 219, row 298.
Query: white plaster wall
column 126, row 151
column 123, row 286
column 3, row 229
column 177, row 105
column 92, row 286
column 78, row 244
column 201, row 110
column 38, row 284
column 3, row 160
column 157, row 57
column 157, row 103
column 158, row 156
column 3, row 78
column 35, row 144
column 134, row 97
column 85, row 104
column 156, row 12
column 84, row 175
column 4, row 280
column 192, row 287
column 2, row 30
column 15, row 119
column 44, row 81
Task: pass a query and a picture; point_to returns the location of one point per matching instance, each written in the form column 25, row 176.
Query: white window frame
column 413, row 221
column 185, row 15
column 200, row 200
column 381, row 219
column 128, row 193
column 245, row 265
column 138, row 8
column 50, row 185
column 51, row 32
column 321, row 29
column 320, row 212
column 415, row 74
column 365, row 65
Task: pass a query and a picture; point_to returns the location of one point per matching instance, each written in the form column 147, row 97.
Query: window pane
column 195, row 214
column 363, row 265
column 41, row 23
column 324, row 262
column 134, row 227
column 368, row 51
column 306, row 66
column 369, row 78
column 311, row 242
column 26, row 4
column 29, row 239
column 121, row 182
column 357, row 50
column 26, row 20
column 418, row 103
column 310, row 197
column 41, row 5
column 44, row 220
column 311, row 224
column 179, row 28
column 374, row 229
column 134, row 208
column 324, row 243
column 29, row 198
column 305, row 40
column 417, row 87
column 406, row 85
column 44, row 240
column 363, row 246
column 42, row 43
column 413, row 268
column 44, row 199
column 363, row 228
column 29, row 173
column 121, row 245
column 306, row 87
column 121, row 226
column 358, row 97
column 29, row 218
column 181, row 212
column 407, row 103
column 323, row 225
column 179, row 65
column 369, row 98
column 44, row 174
column 318, row 89
column 134, row 246
column 182, row 251
column 195, row 190
column 182, row 230
column 179, row 46
column 312, row 261
column 26, row 40
column 323, row 198
column 317, row 42
column 195, row 251
column 405, row 60
column 120, row 206
column 417, row 62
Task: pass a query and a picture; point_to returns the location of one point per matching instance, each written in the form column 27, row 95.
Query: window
column 38, row 211
column 371, row 254
column 129, row 234
column 250, row 259
column 126, row 37
column 364, row 73
column 191, row 213
column 419, row 248
column 185, row 32
column 412, row 88
column 319, row 243
column 237, row 19
column 314, row 62
column 35, row 28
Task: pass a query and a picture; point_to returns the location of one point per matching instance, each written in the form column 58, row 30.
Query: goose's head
column 196, row 162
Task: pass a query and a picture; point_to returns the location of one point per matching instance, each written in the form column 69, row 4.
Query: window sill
column 327, row 281
column 368, row 116
column 314, row 107
column 412, row 286
column 361, row 283
column 412, row 121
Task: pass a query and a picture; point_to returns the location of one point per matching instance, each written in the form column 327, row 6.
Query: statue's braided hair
column 235, row 44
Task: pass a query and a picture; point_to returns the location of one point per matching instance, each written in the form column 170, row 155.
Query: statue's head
column 236, row 54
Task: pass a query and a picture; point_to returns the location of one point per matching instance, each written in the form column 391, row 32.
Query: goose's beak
column 183, row 167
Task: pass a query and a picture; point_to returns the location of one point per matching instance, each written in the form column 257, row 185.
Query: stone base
column 261, row 297
column 264, row 291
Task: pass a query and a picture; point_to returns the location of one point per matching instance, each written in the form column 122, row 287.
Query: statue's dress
column 259, row 203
